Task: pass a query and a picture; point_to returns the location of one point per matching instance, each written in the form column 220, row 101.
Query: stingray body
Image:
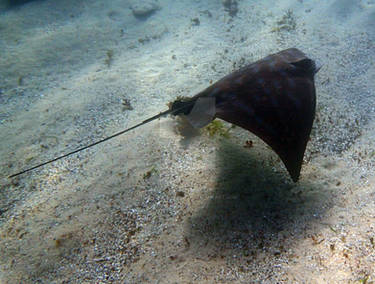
column 274, row 98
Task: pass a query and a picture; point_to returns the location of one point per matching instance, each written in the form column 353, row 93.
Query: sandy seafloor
column 152, row 206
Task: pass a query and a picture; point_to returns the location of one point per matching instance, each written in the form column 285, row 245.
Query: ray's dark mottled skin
column 274, row 98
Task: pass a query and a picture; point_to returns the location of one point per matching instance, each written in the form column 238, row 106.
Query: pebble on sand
column 144, row 9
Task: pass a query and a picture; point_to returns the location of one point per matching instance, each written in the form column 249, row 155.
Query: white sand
column 149, row 206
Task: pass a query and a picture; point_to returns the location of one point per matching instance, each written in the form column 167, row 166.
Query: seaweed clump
column 149, row 173
column 109, row 58
column 231, row 6
column 216, row 127
column 287, row 23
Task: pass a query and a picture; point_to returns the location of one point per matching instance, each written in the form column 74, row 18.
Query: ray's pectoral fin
column 274, row 98
column 276, row 101
column 203, row 112
column 198, row 111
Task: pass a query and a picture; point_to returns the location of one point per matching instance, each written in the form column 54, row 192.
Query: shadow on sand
column 254, row 206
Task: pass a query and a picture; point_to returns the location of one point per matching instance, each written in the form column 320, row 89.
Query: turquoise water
column 164, row 203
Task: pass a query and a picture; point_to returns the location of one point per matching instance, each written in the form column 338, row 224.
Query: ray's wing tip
column 295, row 177
column 294, row 172
column 293, row 164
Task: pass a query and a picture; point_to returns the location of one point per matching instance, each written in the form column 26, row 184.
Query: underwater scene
column 189, row 141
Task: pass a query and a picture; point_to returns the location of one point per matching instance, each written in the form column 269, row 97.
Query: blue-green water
column 152, row 205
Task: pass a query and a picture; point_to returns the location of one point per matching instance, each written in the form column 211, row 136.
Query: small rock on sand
column 143, row 9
